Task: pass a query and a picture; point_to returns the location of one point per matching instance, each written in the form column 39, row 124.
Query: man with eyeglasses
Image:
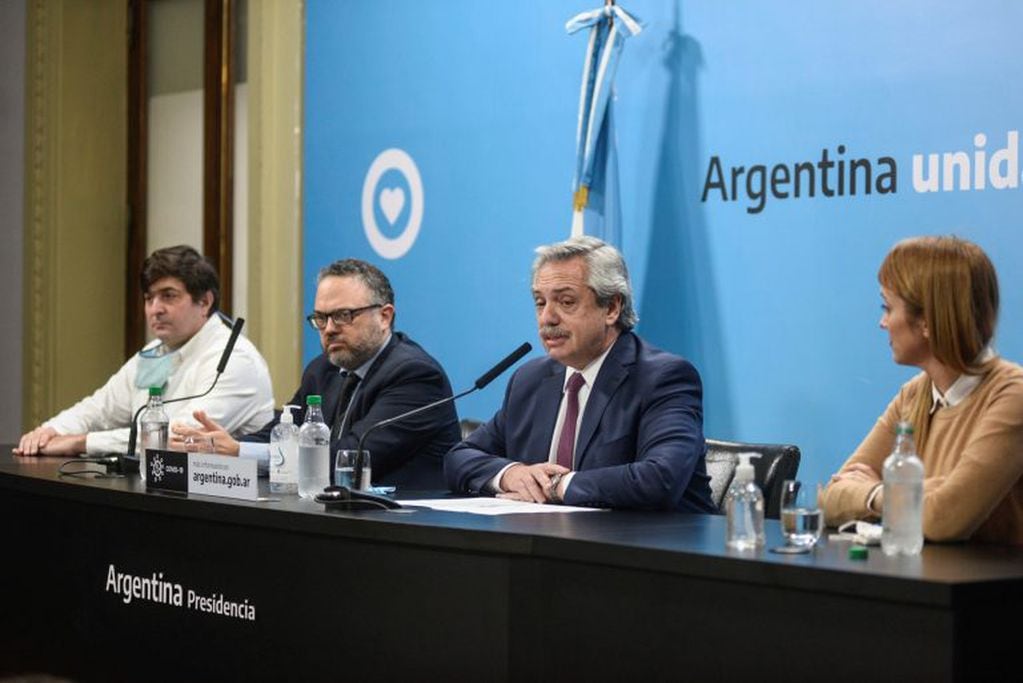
column 366, row 373
column 606, row 419
column 181, row 292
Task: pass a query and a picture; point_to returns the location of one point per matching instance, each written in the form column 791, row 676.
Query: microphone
column 236, row 329
column 484, row 379
column 510, row 360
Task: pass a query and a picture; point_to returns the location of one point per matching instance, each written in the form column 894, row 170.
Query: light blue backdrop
column 777, row 308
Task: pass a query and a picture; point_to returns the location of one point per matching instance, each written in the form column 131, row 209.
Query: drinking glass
column 801, row 518
column 344, row 469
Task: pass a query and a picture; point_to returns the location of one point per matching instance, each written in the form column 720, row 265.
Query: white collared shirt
column 961, row 388
column 242, row 400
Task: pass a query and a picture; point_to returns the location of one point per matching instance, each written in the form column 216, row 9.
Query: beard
column 355, row 352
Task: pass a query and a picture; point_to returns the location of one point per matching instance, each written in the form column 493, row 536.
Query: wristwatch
column 553, row 489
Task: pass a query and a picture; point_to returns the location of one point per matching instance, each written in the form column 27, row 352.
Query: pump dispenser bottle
column 744, row 505
column 284, row 453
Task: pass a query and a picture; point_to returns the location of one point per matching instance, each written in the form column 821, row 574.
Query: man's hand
column 530, row 483
column 46, row 441
column 223, row 443
column 33, row 442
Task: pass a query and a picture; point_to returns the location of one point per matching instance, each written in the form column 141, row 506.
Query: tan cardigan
column 973, row 462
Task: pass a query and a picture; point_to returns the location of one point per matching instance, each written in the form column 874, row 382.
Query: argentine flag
column 596, row 209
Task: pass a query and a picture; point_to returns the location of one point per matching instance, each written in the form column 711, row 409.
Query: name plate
column 205, row 473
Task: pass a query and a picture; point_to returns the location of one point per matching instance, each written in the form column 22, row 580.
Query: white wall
column 175, row 179
column 174, row 210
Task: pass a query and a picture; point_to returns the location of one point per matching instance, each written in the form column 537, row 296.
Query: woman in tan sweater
column 940, row 308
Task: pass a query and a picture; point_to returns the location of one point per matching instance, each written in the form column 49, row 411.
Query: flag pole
column 594, row 132
column 582, row 195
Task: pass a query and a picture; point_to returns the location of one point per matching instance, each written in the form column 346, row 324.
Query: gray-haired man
column 605, row 419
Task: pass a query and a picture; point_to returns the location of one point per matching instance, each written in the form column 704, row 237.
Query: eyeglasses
column 342, row 316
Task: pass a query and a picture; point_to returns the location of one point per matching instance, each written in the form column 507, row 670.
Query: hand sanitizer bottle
column 284, row 453
column 744, row 505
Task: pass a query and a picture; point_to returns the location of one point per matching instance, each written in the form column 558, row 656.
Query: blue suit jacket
column 408, row 453
column 640, row 442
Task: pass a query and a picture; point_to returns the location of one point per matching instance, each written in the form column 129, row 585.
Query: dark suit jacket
column 640, row 442
column 408, row 453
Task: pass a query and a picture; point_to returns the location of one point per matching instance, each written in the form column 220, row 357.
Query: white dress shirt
column 242, row 401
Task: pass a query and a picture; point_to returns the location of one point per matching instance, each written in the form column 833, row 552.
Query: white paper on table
column 492, row 506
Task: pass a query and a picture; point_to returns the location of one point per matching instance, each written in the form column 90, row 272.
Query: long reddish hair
column 951, row 284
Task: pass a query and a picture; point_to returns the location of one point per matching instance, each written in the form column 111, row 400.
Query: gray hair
column 371, row 276
column 607, row 274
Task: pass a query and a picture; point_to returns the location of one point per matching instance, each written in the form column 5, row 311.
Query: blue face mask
column 155, row 367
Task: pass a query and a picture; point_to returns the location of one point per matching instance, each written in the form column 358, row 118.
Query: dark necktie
column 566, row 442
column 343, row 399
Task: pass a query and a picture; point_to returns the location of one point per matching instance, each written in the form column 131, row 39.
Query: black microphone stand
column 484, row 379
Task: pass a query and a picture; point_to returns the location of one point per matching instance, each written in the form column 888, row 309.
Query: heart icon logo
column 392, row 200
column 385, row 201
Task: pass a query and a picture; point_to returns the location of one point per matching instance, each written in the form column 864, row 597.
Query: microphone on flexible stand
column 484, row 379
column 129, row 462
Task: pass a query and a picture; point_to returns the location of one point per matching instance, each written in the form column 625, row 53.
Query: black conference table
column 285, row 590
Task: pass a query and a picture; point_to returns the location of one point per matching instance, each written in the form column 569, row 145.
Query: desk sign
column 205, row 473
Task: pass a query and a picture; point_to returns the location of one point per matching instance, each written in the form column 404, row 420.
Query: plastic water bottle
column 153, row 424
column 284, row 454
column 902, row 517
column 313, row 451
column 744, row 505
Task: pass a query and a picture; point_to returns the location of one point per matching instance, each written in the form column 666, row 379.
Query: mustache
column 552, row 332
column 332, row 338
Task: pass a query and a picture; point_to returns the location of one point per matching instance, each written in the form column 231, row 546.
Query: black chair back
column 777, row 462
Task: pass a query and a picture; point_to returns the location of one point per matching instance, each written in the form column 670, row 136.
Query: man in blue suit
column 605, row 419
column 367, row 373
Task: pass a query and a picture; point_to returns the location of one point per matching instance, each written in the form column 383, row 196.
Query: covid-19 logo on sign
column 392, row 203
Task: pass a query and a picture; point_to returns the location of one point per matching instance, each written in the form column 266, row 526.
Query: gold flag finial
column 581, row 198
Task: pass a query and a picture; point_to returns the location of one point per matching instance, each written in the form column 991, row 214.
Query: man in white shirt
column 181, row 291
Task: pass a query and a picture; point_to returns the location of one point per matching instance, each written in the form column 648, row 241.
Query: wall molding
column 37, row 342
column 275, row 78
column 75, row 227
